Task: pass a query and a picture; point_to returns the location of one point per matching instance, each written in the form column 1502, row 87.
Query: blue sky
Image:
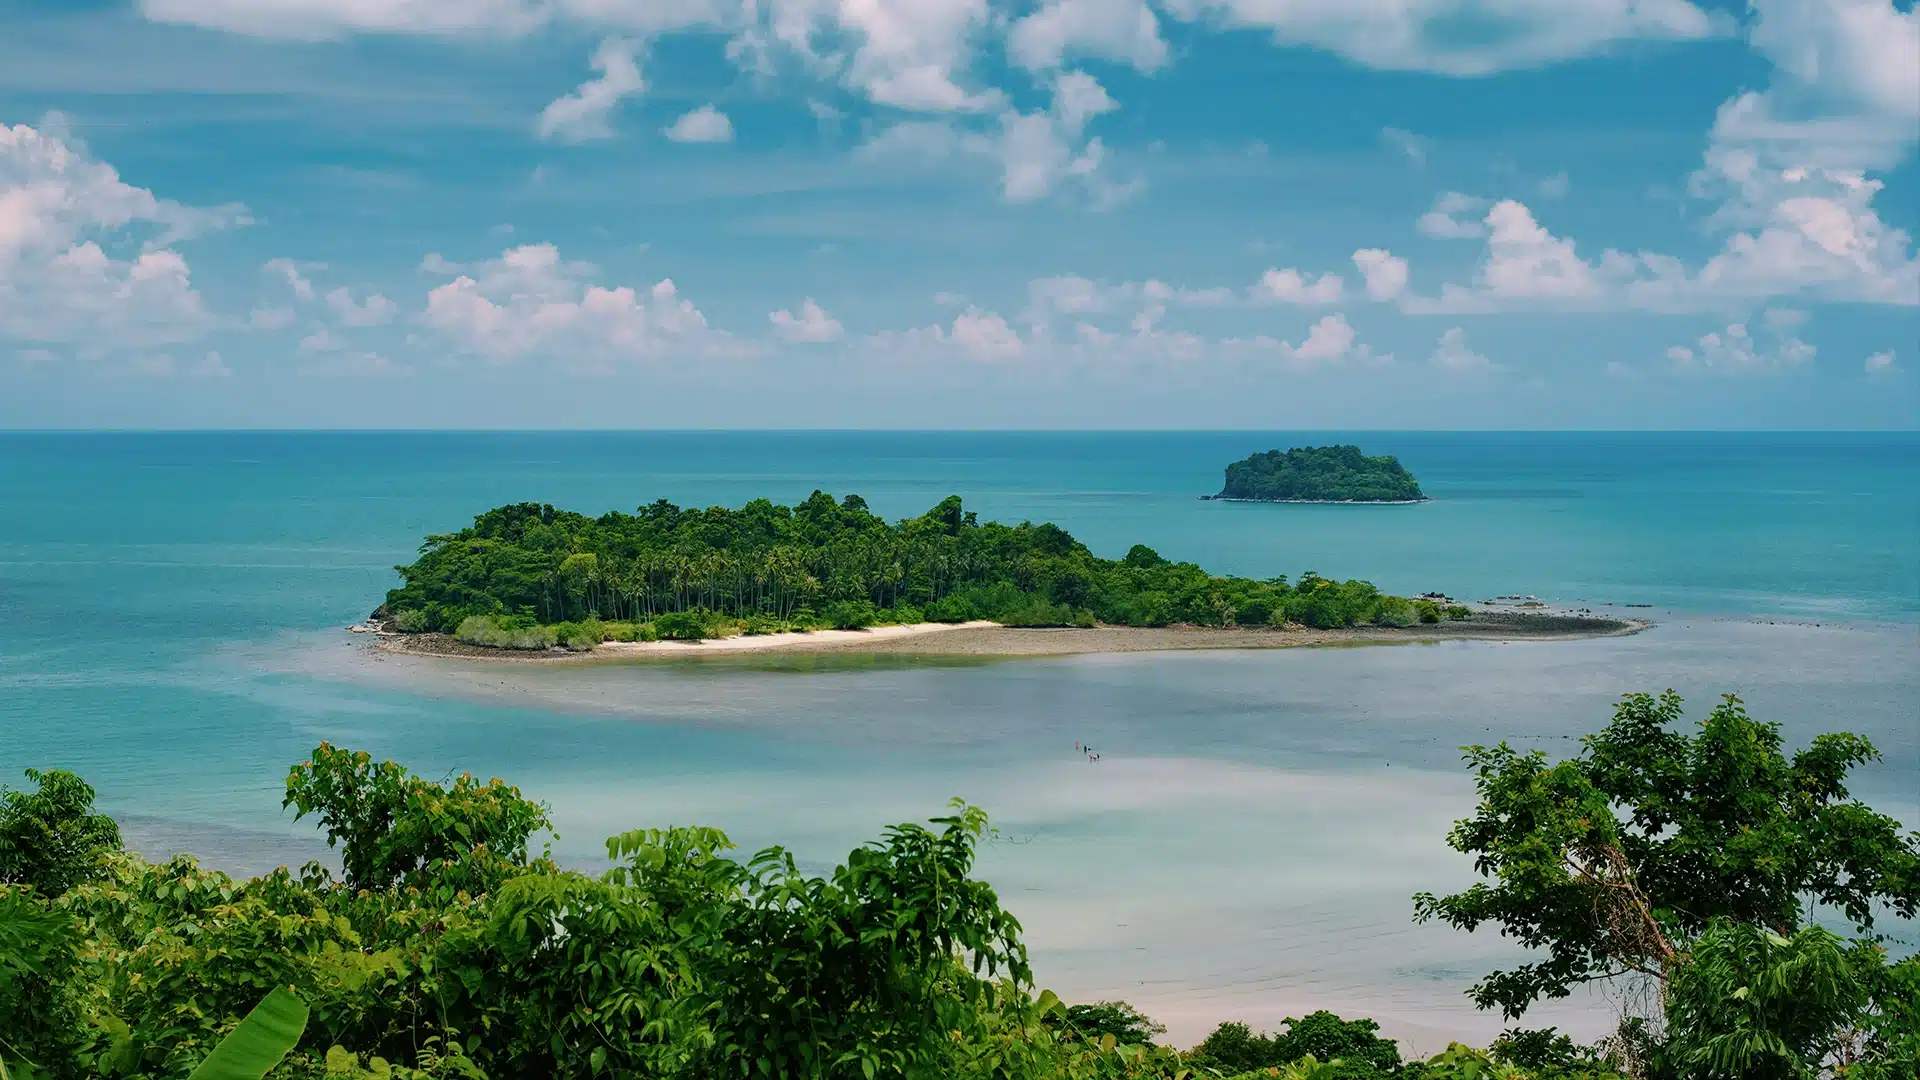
column 959, row 213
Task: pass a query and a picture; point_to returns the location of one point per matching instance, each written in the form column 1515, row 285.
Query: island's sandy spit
column 986, row 639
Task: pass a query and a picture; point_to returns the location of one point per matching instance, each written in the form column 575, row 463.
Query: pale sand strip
column 764, row 642
column 987, row 639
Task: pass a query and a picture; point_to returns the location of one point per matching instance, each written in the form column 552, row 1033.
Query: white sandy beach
column 766, row 642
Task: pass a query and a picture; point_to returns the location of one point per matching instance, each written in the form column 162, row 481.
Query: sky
column 1271, row 214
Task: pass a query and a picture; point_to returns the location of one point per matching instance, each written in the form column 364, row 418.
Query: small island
column 1320, row 474
column 530, row 577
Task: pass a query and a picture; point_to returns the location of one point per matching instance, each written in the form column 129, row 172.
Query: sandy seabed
column 987, row 639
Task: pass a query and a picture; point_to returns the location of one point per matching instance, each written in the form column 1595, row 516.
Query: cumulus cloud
column 1880, row 361
column 297, row 283
column 1424, row 35
column 1735, row 351
column 1810, row 232
column 586, row 114
column 532, row 303
column 1331, row 341
column 1451, row 353
column 1443, row 222
column 59, row 284
column 373, row 311
column 1289, row 286
column 1385, row 274
column 1036, row 152
column 705, row 124
column 813, row 324
column 1123, row 30
column 1528, row 266
column 977, row 334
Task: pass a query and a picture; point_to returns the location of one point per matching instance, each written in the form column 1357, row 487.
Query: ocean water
column 171, row 604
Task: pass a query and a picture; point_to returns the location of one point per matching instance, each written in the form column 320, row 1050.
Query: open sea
column 171, row 609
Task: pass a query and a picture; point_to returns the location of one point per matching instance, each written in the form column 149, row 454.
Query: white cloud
column 530, row 302
column 980, row 335
column 705, row 124
column 58, row 284
column 435, row 263
column 1329, row 342
column 1121, row 30
column 270, row 318
column 1880, row 361
column 1451, row 353
column 322, row 340
column 1864, row 55
column 813, row 324
column 1329, row 339
column 1734, row 351
column 297, row 283
column 1036, row 152
column 985, row 335
column 1443, row 223
column 321, row 19
column 1425, row 35
column 1527, row 266
column 1386, row 275
column 1808, row 231
column 586, row 114
column 911, row 52
column 1291, row 287
column 1416, row 147
column 374, row 311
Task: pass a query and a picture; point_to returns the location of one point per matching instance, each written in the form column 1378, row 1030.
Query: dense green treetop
column 1320, row 474
column 450, row 952
column 832, row 562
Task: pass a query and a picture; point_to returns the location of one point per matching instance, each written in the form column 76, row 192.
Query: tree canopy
column 449, row 950
column 1320, row 474
column 672, row 572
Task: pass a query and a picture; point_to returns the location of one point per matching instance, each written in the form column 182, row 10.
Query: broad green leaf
column 264, row 1037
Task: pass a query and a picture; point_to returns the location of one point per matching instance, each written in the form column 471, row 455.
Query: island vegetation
column 1320, row 474
column 528, row 576
column 1705, row 868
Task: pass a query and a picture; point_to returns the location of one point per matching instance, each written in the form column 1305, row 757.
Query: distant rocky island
column 1320, row 474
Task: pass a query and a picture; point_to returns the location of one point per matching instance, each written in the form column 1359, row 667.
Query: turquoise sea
column 170, row 626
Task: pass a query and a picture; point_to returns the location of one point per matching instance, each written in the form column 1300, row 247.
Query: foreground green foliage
column 448, row 949
column 1320, row 474
column 528, row 576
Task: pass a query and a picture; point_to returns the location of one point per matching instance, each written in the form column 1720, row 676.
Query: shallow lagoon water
column 1249, row 841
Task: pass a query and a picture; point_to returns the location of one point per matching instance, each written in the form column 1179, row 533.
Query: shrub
column 493, row 632
column 850, row 614
column 695, row 624
column 948, row 609
column 622, row 631
column 413, row 621
column 1427, row 611
column 1457, row 611
column 1393, row 611
column 51, row 838
column 582, row 636
column 1037, row 612
column 1150, row 609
